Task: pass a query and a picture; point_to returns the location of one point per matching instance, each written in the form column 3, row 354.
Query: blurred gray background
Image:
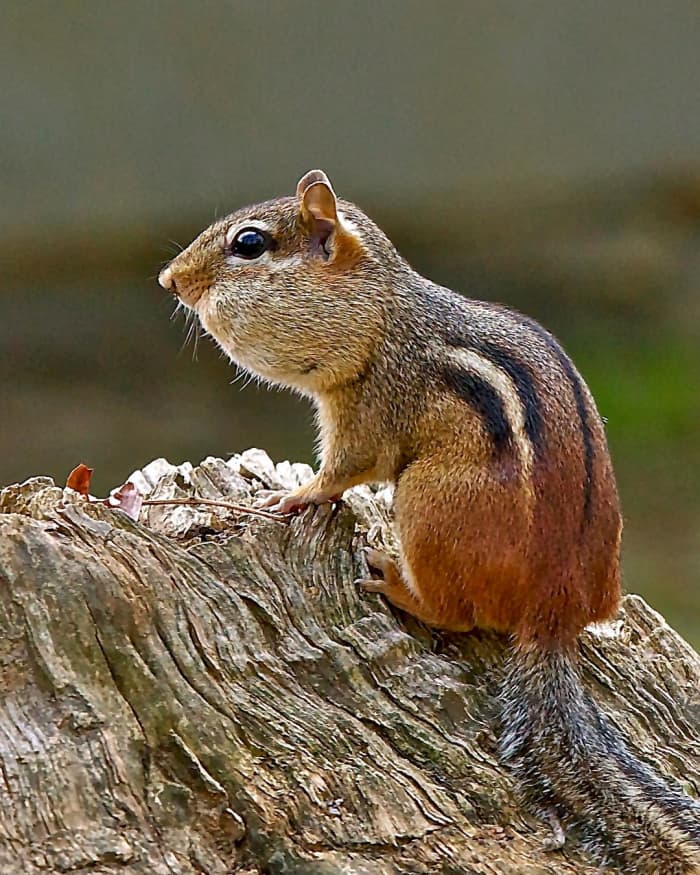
column 543, row 154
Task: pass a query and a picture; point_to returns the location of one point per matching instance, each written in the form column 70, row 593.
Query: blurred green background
column 543, row 154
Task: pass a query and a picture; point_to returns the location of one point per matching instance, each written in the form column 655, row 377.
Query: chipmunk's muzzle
column 187, row 290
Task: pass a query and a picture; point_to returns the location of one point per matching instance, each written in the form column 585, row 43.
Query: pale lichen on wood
column 205, row 692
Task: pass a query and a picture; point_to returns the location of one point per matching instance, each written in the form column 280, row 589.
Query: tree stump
column 209, row 692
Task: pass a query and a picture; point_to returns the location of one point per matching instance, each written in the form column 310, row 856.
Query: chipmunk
column 505, row 501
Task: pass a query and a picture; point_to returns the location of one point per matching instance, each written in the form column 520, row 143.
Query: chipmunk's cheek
column 217, row 319
column 207, row 311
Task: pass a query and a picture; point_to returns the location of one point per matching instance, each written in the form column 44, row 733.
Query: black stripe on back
column 588, row 448
column 481, row 396
column 526, row 388
column 581, row 408
column 522, row 378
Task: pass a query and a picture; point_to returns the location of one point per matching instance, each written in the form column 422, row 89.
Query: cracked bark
column 205, row 692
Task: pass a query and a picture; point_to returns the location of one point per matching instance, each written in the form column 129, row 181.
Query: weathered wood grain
column 206, row 692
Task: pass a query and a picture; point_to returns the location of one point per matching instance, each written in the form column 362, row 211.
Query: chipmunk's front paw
column 282, row 502
column 292, row 502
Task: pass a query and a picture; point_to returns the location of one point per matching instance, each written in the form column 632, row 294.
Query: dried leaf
column 127, row 498
column 79, row 479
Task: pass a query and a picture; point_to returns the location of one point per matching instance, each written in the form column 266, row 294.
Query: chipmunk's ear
column 311, row 178
column 318, row 214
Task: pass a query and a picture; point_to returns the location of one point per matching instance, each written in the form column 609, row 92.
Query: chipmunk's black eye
column 250, row 243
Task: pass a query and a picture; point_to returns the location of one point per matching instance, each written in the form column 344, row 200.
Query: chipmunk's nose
column 166, row 279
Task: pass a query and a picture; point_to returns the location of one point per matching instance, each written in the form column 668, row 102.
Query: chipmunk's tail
column 575, row 769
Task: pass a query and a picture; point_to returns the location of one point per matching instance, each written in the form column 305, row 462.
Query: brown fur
column 506, row 505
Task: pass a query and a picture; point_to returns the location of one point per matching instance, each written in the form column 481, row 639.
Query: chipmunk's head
column 292, row 289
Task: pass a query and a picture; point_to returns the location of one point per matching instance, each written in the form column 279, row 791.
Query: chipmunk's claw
column 378, row 560
column 280, row 501
column 368, row 584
